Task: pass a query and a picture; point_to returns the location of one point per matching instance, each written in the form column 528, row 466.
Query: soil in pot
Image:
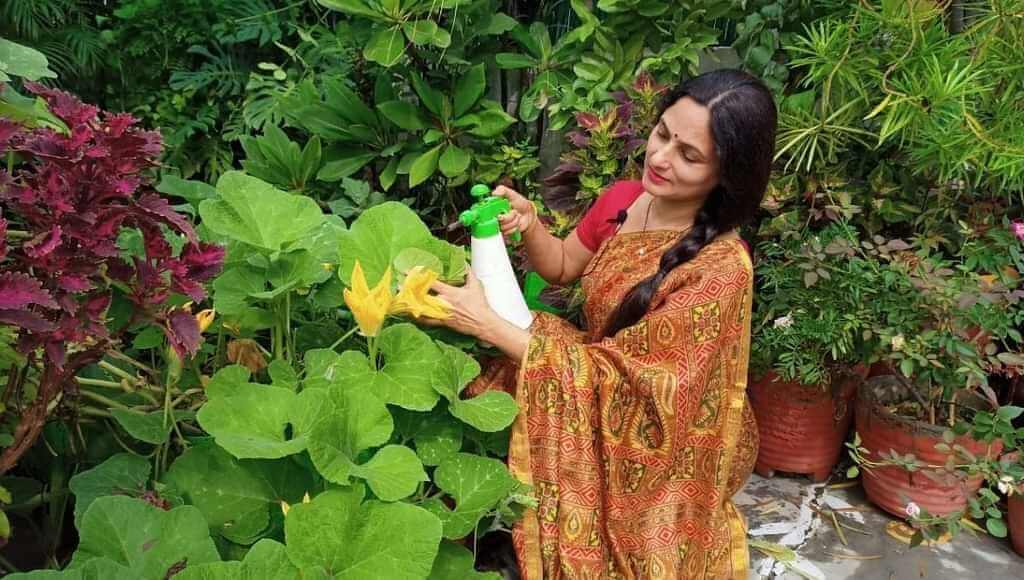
column 882, row 405
column 801, row 427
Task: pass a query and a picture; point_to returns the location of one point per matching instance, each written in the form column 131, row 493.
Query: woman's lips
column 655, row 178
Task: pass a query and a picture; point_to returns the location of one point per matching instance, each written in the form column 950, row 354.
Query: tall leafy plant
column 68, row 199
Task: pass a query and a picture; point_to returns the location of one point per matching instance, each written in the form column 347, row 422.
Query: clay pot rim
column 857, row 372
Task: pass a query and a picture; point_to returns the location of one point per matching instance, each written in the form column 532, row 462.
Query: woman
column 636, row 432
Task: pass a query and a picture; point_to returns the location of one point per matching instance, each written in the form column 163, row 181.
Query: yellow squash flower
column 415, row 299
column 370, row 307
column 205, row 319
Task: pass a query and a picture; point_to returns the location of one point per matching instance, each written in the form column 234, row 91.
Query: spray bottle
column 490, row 261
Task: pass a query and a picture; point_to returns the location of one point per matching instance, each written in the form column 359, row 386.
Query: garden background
column 188, row 185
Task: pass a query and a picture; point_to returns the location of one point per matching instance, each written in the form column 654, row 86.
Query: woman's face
column 681, row 163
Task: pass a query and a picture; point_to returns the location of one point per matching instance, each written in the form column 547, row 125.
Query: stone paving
column 796, row 513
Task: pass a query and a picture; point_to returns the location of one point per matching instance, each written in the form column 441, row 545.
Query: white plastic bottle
column 490, row 261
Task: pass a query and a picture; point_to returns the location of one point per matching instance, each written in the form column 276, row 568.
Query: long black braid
column 743, row 119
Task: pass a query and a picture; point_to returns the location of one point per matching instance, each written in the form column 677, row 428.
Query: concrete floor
column 787, row 512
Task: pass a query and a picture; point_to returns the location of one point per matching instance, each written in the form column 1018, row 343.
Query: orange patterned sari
column 635, row 444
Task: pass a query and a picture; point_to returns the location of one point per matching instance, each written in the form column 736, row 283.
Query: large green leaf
column 403, row 114
column 267, row 560
column 121, row 474
column 325, row 367
column 345, row 422
column 347, row 101
column 477, row 484
column 254, row 212
column 511, row 60
column 232, row 289
column 380, row 234
column 386, row 46
column 95, row 569
column 144, row 539
column 409, row 360
column 393, row 473
column 344, row 166
column 353, row 7
column 420, row 32
column 424, row 166
column 454, row 162
column 489, row 411
column 455, row 562
column 432, row 98
column 22, row 61
column 148, row 427
column 296, row 269
column 437, row 436
column 343, row 419
column 490, row 122
column 248, row 419
column 468, row 89
column 236, row 496
column 354, row 540
column 191, row 191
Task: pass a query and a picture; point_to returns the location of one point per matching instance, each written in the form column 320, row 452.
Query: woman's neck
column 667, row 214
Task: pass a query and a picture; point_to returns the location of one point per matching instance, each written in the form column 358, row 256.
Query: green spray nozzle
column 482, row 217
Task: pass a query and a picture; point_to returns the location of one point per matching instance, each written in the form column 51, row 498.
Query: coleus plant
column 605, row 147
column 68, row 198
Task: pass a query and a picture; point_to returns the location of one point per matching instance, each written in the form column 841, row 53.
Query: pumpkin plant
column 313, row 465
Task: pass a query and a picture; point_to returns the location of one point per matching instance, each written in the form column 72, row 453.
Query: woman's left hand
column 470, row 312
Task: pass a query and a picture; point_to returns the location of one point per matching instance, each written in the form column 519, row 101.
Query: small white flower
column 784, row 321
column 913, row 510
column 1006, row 485
column 897, row 342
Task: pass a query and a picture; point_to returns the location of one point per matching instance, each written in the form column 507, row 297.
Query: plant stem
column 98, row 383
column 371, row 342
column 184, row 396
column 343, row 338
column 289, row 343
column 123, row 357
column 92, row 412
column 104, row 400
column 278, row 347
column 115, row 370
column 8, row 566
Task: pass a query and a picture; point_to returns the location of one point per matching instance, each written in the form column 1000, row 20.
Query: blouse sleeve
column 598, row 223
column 653, row 412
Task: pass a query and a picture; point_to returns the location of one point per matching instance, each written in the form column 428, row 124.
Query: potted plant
column 933, row 322
column 806, row 353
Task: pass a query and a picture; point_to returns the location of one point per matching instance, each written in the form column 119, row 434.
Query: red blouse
column 600, row 223
column 603, row 218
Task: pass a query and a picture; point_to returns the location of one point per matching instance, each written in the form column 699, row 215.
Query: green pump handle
column 482, row 217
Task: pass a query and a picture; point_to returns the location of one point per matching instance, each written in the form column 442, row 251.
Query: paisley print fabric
column 634, row 444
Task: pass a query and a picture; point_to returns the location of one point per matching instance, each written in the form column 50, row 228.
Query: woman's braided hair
column 743, row 119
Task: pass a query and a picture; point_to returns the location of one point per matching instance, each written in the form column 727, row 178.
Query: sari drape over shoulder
column 634, row 444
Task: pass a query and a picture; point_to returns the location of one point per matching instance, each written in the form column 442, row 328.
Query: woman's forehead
column 689, row 122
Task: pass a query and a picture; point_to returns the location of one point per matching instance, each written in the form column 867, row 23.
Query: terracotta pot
column 892, row 487
column 802, row 428
column 1015, row 519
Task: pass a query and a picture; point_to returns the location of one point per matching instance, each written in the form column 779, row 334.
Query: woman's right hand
column 523, row 215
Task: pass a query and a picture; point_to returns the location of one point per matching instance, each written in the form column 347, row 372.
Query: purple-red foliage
column 66, row 201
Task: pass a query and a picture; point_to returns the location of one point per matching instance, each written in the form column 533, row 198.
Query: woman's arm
column 557, row 261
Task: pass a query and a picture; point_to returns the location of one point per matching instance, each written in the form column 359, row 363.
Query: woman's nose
column 660, row 156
